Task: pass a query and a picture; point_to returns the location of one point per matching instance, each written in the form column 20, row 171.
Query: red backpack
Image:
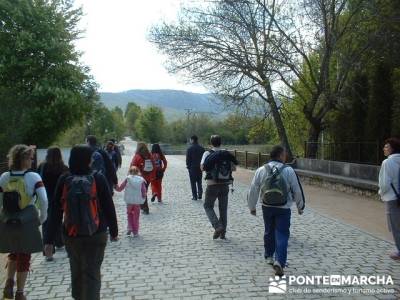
column 80, row 205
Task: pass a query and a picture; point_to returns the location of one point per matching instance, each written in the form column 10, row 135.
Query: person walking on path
column 193, row 158
column 389, row 189
column 218, row 165
column 161, row 165
column 112, row 154
column 19, row 219
column 102, row 163
column 145, row 163
column 135, row 194
column 50, row 171
column 276, row 186
column 83, row 200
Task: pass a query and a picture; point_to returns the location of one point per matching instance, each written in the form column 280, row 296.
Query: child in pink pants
column 135, row 194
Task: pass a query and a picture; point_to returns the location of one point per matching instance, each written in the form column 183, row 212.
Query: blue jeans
column 276, row 236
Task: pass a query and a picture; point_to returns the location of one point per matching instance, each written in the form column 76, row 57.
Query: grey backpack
column 274, row 189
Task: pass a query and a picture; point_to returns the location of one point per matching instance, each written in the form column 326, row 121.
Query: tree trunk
column 313, row 136
column 278, row 121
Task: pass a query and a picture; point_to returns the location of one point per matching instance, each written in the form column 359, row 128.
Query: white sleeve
column 384, row 182
column 41, row 194
column 203, row 158
column 254, row 192
column 296, row 188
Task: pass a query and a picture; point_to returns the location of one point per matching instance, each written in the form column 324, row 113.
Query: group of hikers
column 74, row 206
column 74, row 203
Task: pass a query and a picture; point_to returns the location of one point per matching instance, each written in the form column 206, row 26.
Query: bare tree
column 241, row 48
column 227, row 46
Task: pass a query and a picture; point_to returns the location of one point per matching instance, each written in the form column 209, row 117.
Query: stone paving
column 175, row 256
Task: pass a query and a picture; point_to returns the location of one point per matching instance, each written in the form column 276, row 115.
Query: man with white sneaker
column 276, row 186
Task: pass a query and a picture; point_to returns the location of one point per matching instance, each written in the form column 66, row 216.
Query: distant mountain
column 173, row 102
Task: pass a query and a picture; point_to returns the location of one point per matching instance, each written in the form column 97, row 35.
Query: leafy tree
column 43, row 87
column 150, row 125
column 132, row 113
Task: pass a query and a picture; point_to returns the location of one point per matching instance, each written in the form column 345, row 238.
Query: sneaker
column 136, row 235
column 49, row 258
column 20, row 296
column 200, row 196
column 153, row 198
column 395, row 255
column 278, row 269
column 159, row 200
column 8, row 292
column 217, row 233
column 269, row 260
column 128, row 233
column 146, row 211
column 222, row 235
column 194, row 199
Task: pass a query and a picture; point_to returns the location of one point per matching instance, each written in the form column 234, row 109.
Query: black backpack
column 218, row 166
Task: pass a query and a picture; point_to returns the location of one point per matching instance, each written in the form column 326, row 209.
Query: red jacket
column 138, row 161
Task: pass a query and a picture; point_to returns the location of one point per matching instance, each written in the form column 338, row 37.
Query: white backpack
column 148, row 165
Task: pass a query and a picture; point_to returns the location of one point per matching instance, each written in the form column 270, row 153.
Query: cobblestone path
column 175, row 256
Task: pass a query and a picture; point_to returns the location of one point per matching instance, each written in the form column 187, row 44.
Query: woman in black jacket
column 50, row 170
column 85, row 245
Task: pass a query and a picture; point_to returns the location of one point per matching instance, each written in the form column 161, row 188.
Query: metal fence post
column 259, row 159
column 245, row 159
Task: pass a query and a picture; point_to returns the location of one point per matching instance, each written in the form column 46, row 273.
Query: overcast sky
column 115, row 45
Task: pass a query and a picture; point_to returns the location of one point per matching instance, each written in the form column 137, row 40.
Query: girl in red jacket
column 145, row 163
column 161, row 165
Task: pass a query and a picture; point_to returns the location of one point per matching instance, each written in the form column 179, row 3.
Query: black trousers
column 85, row 258
column 195, row 176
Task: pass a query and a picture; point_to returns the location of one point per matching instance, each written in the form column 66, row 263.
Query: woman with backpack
column 50, row 170
column 83, row 198
column 161, row 165
column 19, row 218
column 145, row 163
column 389, row 190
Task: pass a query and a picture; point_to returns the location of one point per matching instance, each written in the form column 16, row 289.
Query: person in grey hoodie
column 389, row 189
column 276, row 218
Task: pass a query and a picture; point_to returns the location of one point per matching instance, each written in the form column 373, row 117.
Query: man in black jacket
column 193, row 158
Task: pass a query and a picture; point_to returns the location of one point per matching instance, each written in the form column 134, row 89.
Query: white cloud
column 115, row 45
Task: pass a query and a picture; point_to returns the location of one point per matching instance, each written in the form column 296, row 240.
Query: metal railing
column 354, row 152
column 3, row 167
column 250, row 160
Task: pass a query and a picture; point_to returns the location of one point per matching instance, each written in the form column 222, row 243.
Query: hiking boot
column 217, row 233
column 269, row 260
column 395, row 255
column 278, row 269
column 8, row 292
column 128, row 233
column 222, row 235
column 159, row 200
column 194, row 199
column 200, row 196
column 20, row 296
column 153, row 198
column 146, row 211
